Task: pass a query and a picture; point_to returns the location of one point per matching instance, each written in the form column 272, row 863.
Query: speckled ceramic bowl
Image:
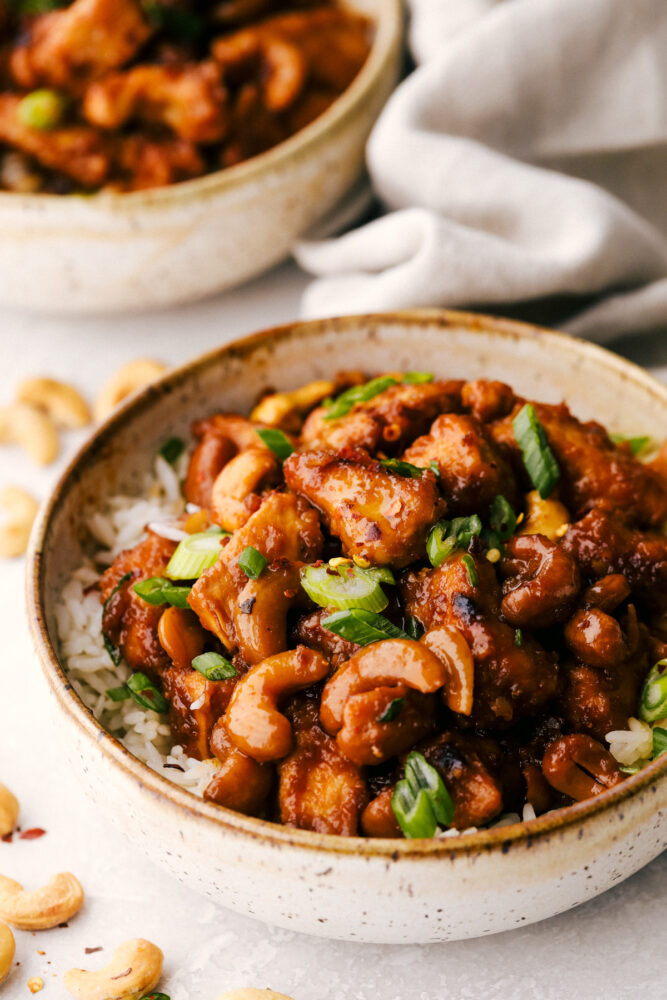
column 112, row 252
column 366, row 890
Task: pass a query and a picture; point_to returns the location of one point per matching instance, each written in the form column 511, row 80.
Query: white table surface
column 609, row 948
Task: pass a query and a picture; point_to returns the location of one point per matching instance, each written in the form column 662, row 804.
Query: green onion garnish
column 414, row 628
column 42, row 109
column 421, row 802
column 156, row 996
column 659, row 742
column 112, row 649
column 518, row 637
column 142, row 690
column 214, row 667
column 158, row 590
column 172, row 449
column 124, row 578
column 252, row 562
column 344, row 586
column 195, row 554
column 417, row 378
column 502, row 518
column 538, row 458
column 118, row 694
column 362, row 627
column 401, row 468
column 435, row 468
column 358, row 394
column 653, row 698
column 447, row 536
column 392, row 711
column 279, row 443
column 637, row 444
column 471, row 571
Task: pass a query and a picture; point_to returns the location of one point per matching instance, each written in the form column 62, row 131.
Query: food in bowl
column 396, row 607
column 125, row 95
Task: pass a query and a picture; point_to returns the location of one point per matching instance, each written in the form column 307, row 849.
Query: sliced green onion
column 402, row 468
column 279, row 443
column 447, row 536
column 362, row 627
column 156, row 996
column 380, row 573
column 659, row 742
column 145, row 693
column 417, row 378
column 392, row 711
column 124, row 578
column 40, row 6
column 214, row 667
column 195, row 554
column 414, row 628
column 502, row 518
column 252, row 562
column 518, row 637
column 158, row 590
column 435, row 468
column 344, row 586
column 421, row 802
column 471, row 570
column 42, row 109
column 538, row 458
column 118, row 694
column 630, row 769
column 653, row 698
column 358, row 394
column 112, row 649
column 172, row 449
column 637, row 444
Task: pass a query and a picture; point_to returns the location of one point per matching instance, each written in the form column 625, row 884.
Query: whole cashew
column 286, row 409
column 21, row 509
column 254, row 723
column 181, row 636
column 390, row 663
column 580, row 767
column 253, row 995
column 454, row 652
column 134, row 970
column 30, row 428
column 46, row 907
column 542, row 582
column 378, row 819
column 9, row 811
column 235, row 491
column 7, row 949
column 62, row 402
column 544, row 517
column 128, row 379
column 240, row 783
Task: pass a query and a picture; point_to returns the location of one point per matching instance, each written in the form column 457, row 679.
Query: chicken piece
column 69, row 48
column 142, row 162
column 511, row 680
column 602, row 544
column 190, row 100
column 214, row 449
column 310, row 632
column 487, row 400
column 76, row 150
column 240, row 783
column 476, row 792
column 377, row 514
column 129, row 622
column 472, row 470
column 541, row 582
column 594, row 471
column 251, row 615
column 388, row 421
column 192, row 726
column 320, row 789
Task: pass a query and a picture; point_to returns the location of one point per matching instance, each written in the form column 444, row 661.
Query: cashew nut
column 253, row 721
column 134, row 970
column 35, row 984
column 32, row 429
column 21, row 509
column 181, row 636
column 580, row 767
column 286, row 409
column 62, row 402
column 9, row 811
column 128, row 379
column 235, row 491
column 48, row 906
column 544, row 517
column 253, row 995
column 454, row 653
column 6, row 951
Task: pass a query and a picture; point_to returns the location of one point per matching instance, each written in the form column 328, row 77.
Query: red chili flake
column 225, row 541
column 290, row 594
column 32, row 834
column 91, row 951
column 7, row 838
column 122, row 975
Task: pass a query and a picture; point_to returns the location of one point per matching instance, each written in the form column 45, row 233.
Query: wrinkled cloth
column 524, row 158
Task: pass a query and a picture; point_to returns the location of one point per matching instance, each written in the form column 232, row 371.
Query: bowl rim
column 388, row 23
column 498, row 839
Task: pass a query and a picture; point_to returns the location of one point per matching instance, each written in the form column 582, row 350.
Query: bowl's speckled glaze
column 354, row 888
column 114, row 252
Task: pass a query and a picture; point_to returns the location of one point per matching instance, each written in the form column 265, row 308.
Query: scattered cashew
column 6, row 951
column 454, row 652
column 48, row 906
column 62, row 402
column 286, row 409
column 21, row 509
column 35, row 984
column 544, row 517
column 32, row 429
column 134, row 970
column 235, row 490
column 253, row 995
column 9, row 811
column 128, row 379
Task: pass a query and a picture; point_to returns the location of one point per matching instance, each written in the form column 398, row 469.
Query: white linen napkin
column 525, row 157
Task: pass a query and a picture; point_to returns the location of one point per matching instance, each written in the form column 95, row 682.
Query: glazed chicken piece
column 472, row 470
column 511, row 680
column 75, row 150
column 219, row 438
column 192, row 727
column 188, row 99
column 69, row 48
column 130, row 622
column 320, row 789
column 487, row 400
column 387, row 422
column 595, row 473
column 475, row 789
column 310, row 632
column 377, row 514
column 251, row 615
column 142, row 162
column 240, row 783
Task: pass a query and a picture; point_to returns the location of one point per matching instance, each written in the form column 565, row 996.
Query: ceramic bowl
column 114, row 252
column 352, row 888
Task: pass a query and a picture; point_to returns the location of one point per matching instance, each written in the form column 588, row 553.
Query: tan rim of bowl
column 384, row 50
column 483, row 841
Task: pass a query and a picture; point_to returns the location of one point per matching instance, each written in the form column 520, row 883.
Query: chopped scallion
column 414, row 628
column 252, row 562
column 538, row 458
column 447, row 536
column 435, row 468
column 214, row 667
column 358, row 394
column 421, row 802
column 362, row 627
column 405, row 469
column 279, row 443
column 123, row 580
column 636, row 444
column 659, row 742
column 172, row 449
column 112, row 649
column 502, row 518
column 653, row 698
column 158, row 590
column 118, row 693
column 145, row 693
column 471, row 570
column 392, row 711
column 195, row 554
column 344, row 586
column 518, row 637
column 417, row 378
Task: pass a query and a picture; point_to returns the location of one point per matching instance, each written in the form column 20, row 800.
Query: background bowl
column 353, row 888
column 113, row 252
